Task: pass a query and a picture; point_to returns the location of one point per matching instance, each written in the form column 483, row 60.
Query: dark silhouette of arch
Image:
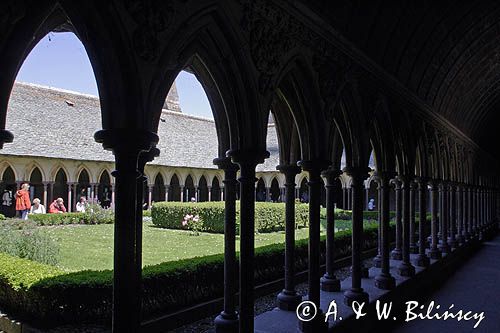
column 83, row 186
column 215, row 191
column 189, row 189
column 260, row 191
column 202, row 189
column 9, row 188
column 304, row 191
column 275, row 191
column 36, row 185
column 104, row 189
column 159, row 189
column 60, row 188
column 174, row 193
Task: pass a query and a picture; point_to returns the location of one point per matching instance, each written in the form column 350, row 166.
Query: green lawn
column 91, row 246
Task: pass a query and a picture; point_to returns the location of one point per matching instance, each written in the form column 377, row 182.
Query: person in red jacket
column 57, row 206
column 23, row 202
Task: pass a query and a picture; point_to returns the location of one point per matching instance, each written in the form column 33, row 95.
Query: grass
column 91, row 246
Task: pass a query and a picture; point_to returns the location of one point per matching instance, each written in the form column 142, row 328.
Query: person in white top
column 37, row 207
column 81, row 205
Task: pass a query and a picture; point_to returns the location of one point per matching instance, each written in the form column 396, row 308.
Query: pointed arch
column 60, row 186
column 202, row 189
column 174, row 192
column 215, row 194
column 158, row 188
column 36, row 183
column 275, row 190
column 189, row 189
column 8, row 188
column 260, row 190
column 104, row 190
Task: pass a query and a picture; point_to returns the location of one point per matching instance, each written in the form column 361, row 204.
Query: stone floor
column 474, row 287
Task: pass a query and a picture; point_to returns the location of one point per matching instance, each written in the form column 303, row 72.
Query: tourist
column 371, row 204
column 23, row 202
column 37, row 207
column 81, row 205
column 57, row 206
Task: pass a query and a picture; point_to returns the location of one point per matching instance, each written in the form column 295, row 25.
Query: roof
column 56, row 123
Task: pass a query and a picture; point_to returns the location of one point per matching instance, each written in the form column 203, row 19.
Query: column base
column 396, row 254
column 317, row 324
column 453, row 243
column 377, row 261
column 226, row 323
column 288, row 300
column 435, row 254
column 355, row 294
column 445, row 248
column 406, row 269
column 460, row 239
column 385, row 281
column 365, row 274
column 413, row 248
column 330, row 284
column 422, row 261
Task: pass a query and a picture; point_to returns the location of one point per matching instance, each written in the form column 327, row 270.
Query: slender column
column 472, row 231
column 405, row 268
column 413, row 190
column 465, row 214
column 113, row 186
column 356, row 293
column 69, row 203
column 377, row 261
column 434, row 252
column 474, row 211
column 351, row 197
column 51, row 187
column 126, row 146
column 453, row 215
column 150, row 194
column 329, row 281
column 227, row 321
column 443, row 216
column 396, row 254
column 167, row 188
column 45, row 196
column 288, row 299
column 247, row 160
column 345, row 203
column 182, row 192
column 460, row 214
column 209, row 193
column 222, row 193
column 268, row 194
column 384, row 280
column 422, row 259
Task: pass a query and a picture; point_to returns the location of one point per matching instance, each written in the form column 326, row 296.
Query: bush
column 94, row 214
column 45, row 295
column 23, row 239
column 2, row 217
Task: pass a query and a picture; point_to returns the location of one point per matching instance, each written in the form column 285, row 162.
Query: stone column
column 182, row 192
column 113, row 195
column 247, row 160
column 422, row 259
column 345, row 204
column 465, row 214
column 329, row 281
column 396, row 254
column 356, row 293
column 443, row 217
column 413, row 195
column 45, row 196
column 150, row 194
column 268, row 194
column 453, row 215
column 209, row 193
column 69, row 204
column 377, row 261
column 460, row 214
column 384, row 280
column 405, row 268
column 470, row 210
column 167, row 188
column 288, row 299
column 350, row 197
column 227, row 321
column 314, row 169
column 222, row 193
column 434, row 252
column 126, row 146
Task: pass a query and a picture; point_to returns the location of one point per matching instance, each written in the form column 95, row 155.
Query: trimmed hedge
column 269, row 217
column 47, row 296
column 93, row 215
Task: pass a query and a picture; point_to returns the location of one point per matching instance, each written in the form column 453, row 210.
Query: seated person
column 37, row 207
column 81, row 205
column 57, row 206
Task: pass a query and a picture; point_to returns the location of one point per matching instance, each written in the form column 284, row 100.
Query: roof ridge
column 55, row 89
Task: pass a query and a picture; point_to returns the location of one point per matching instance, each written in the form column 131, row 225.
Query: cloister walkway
column 475, row 287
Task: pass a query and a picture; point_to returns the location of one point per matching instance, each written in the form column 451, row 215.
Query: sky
column 59, row 60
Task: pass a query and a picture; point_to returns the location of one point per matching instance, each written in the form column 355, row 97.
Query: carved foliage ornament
column 272, row 34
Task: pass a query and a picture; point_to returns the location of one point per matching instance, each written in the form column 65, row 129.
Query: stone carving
column 273, row 33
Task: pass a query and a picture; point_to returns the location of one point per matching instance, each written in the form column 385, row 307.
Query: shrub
column 23, row 239
column 2, row 217
column 94, row 214
column 48, row 296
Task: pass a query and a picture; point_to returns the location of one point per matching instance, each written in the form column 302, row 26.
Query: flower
column 184, row 223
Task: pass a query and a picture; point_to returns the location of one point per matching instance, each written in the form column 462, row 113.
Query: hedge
column 96, row 215
column 47, row 296
column 269, row 217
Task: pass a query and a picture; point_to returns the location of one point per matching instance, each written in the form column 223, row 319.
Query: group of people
column 24, row 206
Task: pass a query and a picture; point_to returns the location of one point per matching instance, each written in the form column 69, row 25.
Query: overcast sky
column 59, row 60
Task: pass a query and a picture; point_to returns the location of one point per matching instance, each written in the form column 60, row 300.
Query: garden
column 56, row 268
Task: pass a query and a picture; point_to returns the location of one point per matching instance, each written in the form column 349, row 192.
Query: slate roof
column 55, row 123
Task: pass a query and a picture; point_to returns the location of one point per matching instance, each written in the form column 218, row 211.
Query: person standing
column 23, row 202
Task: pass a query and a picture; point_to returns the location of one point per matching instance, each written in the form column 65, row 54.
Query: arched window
column 260, row 191
column 189, row 189
column 60, row 188
column 36, row 185
column 304, row 191
column 83, row 188
column 9, row 188
column 215, row 196
column 159, row 189
column 174, row 189
column 202, row 189
column 275, row 191
column 104, row 190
